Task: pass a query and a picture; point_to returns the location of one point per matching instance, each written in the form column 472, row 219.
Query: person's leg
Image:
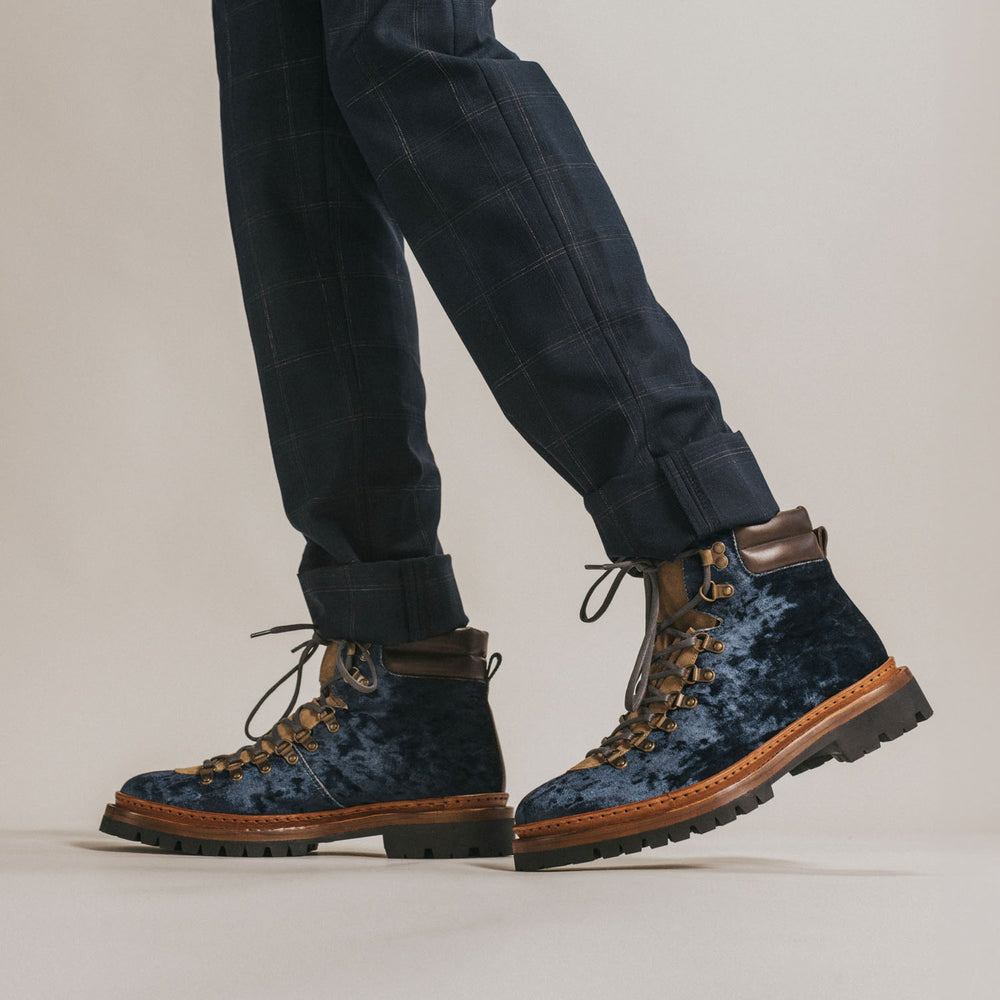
column 399, row 740
column 498, row 196
column 495, row 191
column 334, row 331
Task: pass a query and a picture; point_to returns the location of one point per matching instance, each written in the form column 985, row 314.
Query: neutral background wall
column 813, row 189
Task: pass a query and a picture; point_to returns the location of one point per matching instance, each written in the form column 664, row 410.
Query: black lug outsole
column 901, row 712
column 430, row 841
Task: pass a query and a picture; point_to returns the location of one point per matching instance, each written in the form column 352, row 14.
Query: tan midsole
column 738, row 779
column 302, row 826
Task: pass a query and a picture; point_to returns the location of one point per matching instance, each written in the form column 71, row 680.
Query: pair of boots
column 754, row 663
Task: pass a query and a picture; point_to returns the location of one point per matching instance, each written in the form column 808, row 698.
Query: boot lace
column 646, row 706
column 294, row 728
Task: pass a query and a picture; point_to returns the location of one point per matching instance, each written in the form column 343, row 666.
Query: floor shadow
column 738, row 866
column 716, row 865
column 128, row 848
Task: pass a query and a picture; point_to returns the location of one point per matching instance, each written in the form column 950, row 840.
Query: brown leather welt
column 191, row 823
column 786, row 539
column 459, row 655
column 746, row 774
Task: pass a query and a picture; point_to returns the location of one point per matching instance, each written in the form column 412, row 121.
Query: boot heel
column 889, row 719
column 489, row 838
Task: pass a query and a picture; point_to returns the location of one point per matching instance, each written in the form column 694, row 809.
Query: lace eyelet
column 236, row 775
column 708, row 676
column 618, row 762
column 332, row 726
column 669, row 726
column 719, row 558
column 206, row 779
column 304, row 737
column 264, row 768
column 689, row 701
column 647, row 746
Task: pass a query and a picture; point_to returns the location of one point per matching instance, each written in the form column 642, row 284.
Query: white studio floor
column 727, row 915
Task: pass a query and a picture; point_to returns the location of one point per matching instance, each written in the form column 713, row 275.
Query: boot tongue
column 328, row 666
column 673, row 596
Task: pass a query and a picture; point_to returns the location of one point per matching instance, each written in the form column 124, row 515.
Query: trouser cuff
column 398, row 600
column 677, row 500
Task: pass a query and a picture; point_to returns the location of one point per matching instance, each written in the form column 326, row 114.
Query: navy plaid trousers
column 349, row 125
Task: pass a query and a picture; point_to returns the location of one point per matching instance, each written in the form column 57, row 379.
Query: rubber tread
column 899, row 713
column 482, row 839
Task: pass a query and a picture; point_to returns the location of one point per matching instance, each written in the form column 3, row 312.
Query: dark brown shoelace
column 641, row 693
column 295, row 725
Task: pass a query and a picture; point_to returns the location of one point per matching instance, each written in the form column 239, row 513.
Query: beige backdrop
column 813, row 187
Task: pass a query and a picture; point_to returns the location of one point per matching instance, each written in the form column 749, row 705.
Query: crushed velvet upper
column 793, row 639
column 410, row 738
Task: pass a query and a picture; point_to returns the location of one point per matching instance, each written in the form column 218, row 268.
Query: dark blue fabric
column 793, row 639
column 348, row 126
column 410, row 738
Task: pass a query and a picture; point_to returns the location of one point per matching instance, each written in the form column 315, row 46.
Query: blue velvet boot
column 399, row 742
column 755, row 664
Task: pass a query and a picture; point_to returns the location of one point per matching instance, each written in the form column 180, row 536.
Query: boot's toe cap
column 165, row 787
column 290, row 790
column 564, row 795
column 593, row 789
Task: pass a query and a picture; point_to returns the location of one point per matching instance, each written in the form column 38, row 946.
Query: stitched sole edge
column 428, row 833
column 900, row 710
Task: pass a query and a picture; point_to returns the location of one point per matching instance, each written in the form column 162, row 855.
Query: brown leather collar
column 459, row 655
column 786, row 539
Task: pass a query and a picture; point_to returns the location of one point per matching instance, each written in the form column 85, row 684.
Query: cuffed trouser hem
column 398, row 600
column 659, row 510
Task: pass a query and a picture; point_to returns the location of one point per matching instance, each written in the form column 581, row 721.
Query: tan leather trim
column 786, row 539
column 458, row 655
column 328, row 665
column 673, row 596
column 228, row 826
column 743, row 776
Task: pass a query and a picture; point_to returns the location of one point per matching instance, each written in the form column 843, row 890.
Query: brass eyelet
column 312, row 746
column 716, row 645
column 708, row 675
column 292, row 758
column 647, row 745
column 206, row 779
column 332, row 726
column 264, row 768
column 236, row 775
column 618, row 762
column 689, row 701
column 669, row 726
